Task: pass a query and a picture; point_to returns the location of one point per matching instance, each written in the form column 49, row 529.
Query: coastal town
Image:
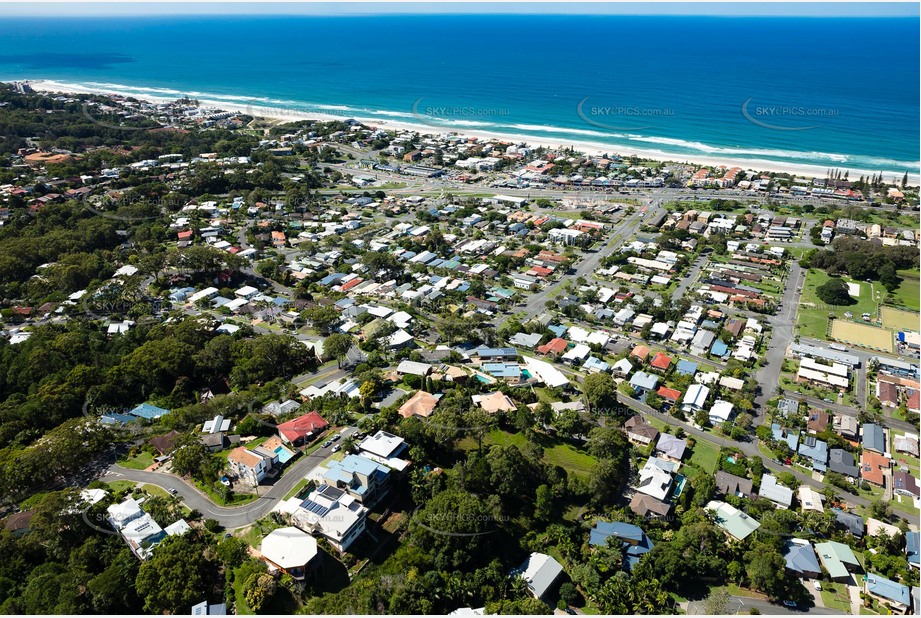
column 263, row 366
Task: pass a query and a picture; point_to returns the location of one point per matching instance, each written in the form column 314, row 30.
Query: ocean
column 828, row 92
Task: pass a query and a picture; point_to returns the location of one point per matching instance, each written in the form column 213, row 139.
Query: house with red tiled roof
column 872, row 465
column 640, row 352
column 539, row 271
column 669, row 395
column 185, row 235
column 345, row 287
column 661, row 362
column 302, row 427
column 422, row 404
column 555, row 346
column 248, row 466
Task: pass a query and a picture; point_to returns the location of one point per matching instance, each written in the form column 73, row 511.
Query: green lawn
column 154, row 490
column 301, row 484
column 143, row 461
column 908, row 294
column 835, row 596
column 813, row 314
column 556, row 452
column 705, row 455
column 120, row 485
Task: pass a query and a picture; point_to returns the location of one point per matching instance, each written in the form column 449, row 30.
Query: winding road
column 229, row 517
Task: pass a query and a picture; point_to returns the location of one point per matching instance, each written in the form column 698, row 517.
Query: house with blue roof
column 785, row 435
column 643, row 382
column 635, row 541
column 495, row 355
column 114, row 418
column 363, row 479
column 816, row 451
column 801, row 559
column 510, row 372
column 594, row 365
column 719, row 349
column 686, row 367
column 912, row 548
column 874, row 438
column 148, row 411
column 559, row 330
column 332, row 279
column 893, row 594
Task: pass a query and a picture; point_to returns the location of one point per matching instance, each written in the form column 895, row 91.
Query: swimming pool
column 283, row 454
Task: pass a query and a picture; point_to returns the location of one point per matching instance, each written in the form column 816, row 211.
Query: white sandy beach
column 587, row 147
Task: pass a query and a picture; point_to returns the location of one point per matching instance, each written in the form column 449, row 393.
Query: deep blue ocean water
column 835, row 92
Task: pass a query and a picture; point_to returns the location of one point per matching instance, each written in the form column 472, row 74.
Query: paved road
column 750, row 449
column 781, row 323
column 229, row 517
column 688, row 280
column 535, row 304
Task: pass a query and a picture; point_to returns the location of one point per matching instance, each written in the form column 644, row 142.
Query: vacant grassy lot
column 705, row 456
column 556, row 452
column 143, row 461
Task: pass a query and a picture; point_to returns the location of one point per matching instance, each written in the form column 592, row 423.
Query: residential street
column 229, row 517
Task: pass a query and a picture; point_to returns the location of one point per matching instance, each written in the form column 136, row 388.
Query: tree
column 258, row 589
column 173, row 578
column 607, row 443
column 719, row 602
column 600, row 390
column 835, row 292
column 337, row 346
column 766, row 570
column 605, row 480
column 322, row 318
column 543, row 503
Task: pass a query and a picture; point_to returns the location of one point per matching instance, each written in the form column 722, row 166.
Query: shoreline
column 587, row 147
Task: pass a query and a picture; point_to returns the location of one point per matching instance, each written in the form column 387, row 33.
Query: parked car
column 789, row 604
column 817, row 584
column 337, row 448
column 173, row 491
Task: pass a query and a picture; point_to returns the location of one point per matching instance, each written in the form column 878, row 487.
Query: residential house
column 809, row 499
column 494, row 402
column 841, row 461
column 639, row 431
column 720, row 412
column 873, row 438
column 634, row 541
column 732, row 485
column 695, row 398
column 913, row 548
column 838, row 559
column 892, row 594
column 781, row 496
column 303, row 428
column 846, row 426
column 905, row 484
column 248, row 466
column 734, row 522
column 817, row 421
column 800, row 559
column 421, row 404
column 646, row 506
column 656, row 478
column 643, row 382
column 385, row 448
column 872, row 465
column 540, row 572
column 851, row 522
column 816, row 451
column 331, row 513
column 291, row 551
column 671, row 448
column 362, row 478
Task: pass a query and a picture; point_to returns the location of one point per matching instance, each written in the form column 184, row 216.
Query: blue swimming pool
column 283, row 454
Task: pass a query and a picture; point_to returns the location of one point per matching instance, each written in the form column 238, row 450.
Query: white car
column 817, row 584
